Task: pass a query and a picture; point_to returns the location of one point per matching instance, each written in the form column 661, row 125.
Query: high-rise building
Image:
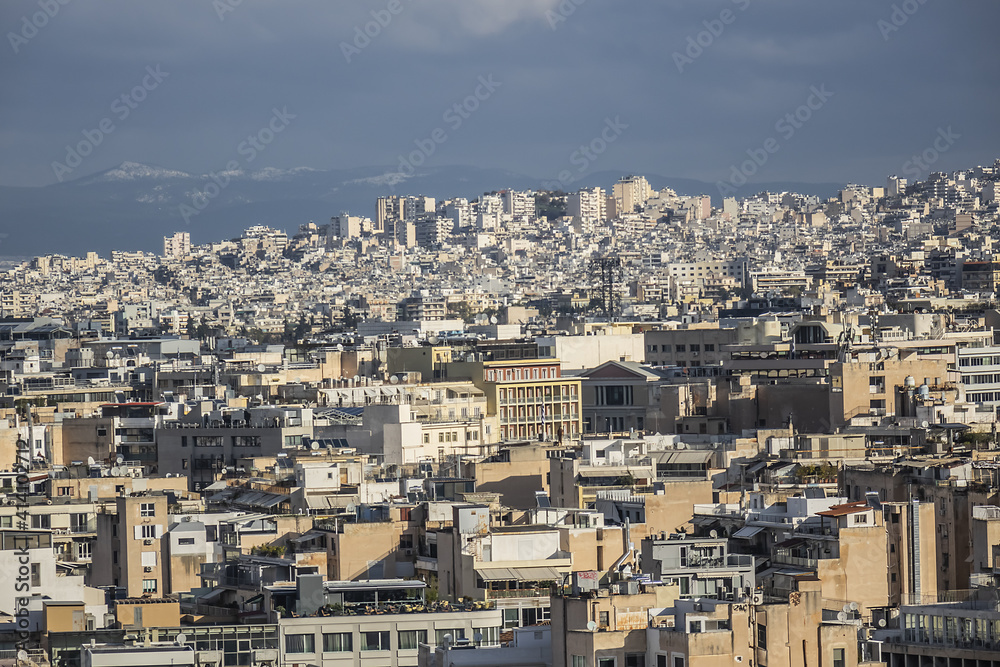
column 588, row 208
column 178, row 245
column 127, row 551
column 518, row 204
column 630, row 192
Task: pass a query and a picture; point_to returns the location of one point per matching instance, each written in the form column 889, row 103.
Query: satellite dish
column 351, row 508
column 924, row 424
column 109, row 355
column 22, row 656
column 181, row 638
column 446, row 640
column 90, row 461
column 881, row 622
column 853, row 606
column 394, row 380
column 713, row 533
column 592, row 626
column 120, row 459
column 357, row 377
column 314, row 445
column 261, row 368
column 494, row 320
column 433, row 340
column 340, row 347
column 116, row 471
column 847, row 608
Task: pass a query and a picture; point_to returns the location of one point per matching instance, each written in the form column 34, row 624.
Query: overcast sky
column 564, row 69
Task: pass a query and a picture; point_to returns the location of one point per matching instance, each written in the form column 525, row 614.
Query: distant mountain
column 132, row 206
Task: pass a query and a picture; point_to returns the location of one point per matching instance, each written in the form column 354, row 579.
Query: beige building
column 128, row 551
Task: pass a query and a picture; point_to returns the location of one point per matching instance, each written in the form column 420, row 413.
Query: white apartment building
column 178, row 245
column 518, row 204
column 588, row 207
column 699, row 272
column 980, row 369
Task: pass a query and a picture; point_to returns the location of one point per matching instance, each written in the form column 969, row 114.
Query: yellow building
column 529, row 397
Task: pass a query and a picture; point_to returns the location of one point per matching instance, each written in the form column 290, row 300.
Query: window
column 761, row 636
column 185, row 541
column 149, row 585
column 579, row 661
column 36, row 575
column 84, row 550
column 635, row 660
column 409, row 639
column 300, row 643
column 65, row 490
column 838, row 658
column 710, row 347
column 337, row 642
column 147, row 509
column 680, row 348
column 605, row 662
column 184, row 464
column 457, row 633
column 375, row 641
column 147, row 532
column 184, row 441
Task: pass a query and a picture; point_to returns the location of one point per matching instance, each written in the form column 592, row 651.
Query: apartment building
column 128, row 552
column 630, row 193
column 177, row 246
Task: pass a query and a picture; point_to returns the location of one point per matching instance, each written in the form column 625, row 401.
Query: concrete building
column 128, row 552
column 177, row 246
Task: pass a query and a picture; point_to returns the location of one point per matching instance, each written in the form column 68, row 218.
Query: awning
column 520, row 574
column 211, row 597
column 747, row 532
column 305, row 538
column 757, row 466
column 684, row 457
column 216, row 486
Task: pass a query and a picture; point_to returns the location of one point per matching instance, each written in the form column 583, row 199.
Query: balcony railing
column 727, row 562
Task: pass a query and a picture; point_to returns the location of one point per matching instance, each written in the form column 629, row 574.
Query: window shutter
column 138, row 532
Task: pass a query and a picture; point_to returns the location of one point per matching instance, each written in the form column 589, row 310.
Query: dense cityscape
column 603, row 427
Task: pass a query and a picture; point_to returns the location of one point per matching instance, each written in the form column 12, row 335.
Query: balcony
column 697, row 562
column 721, row 509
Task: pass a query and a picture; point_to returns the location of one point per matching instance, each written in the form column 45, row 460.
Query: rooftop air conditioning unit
column 147, row 569
column 147, row 542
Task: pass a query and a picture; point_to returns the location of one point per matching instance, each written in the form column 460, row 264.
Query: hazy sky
column 678, row 88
